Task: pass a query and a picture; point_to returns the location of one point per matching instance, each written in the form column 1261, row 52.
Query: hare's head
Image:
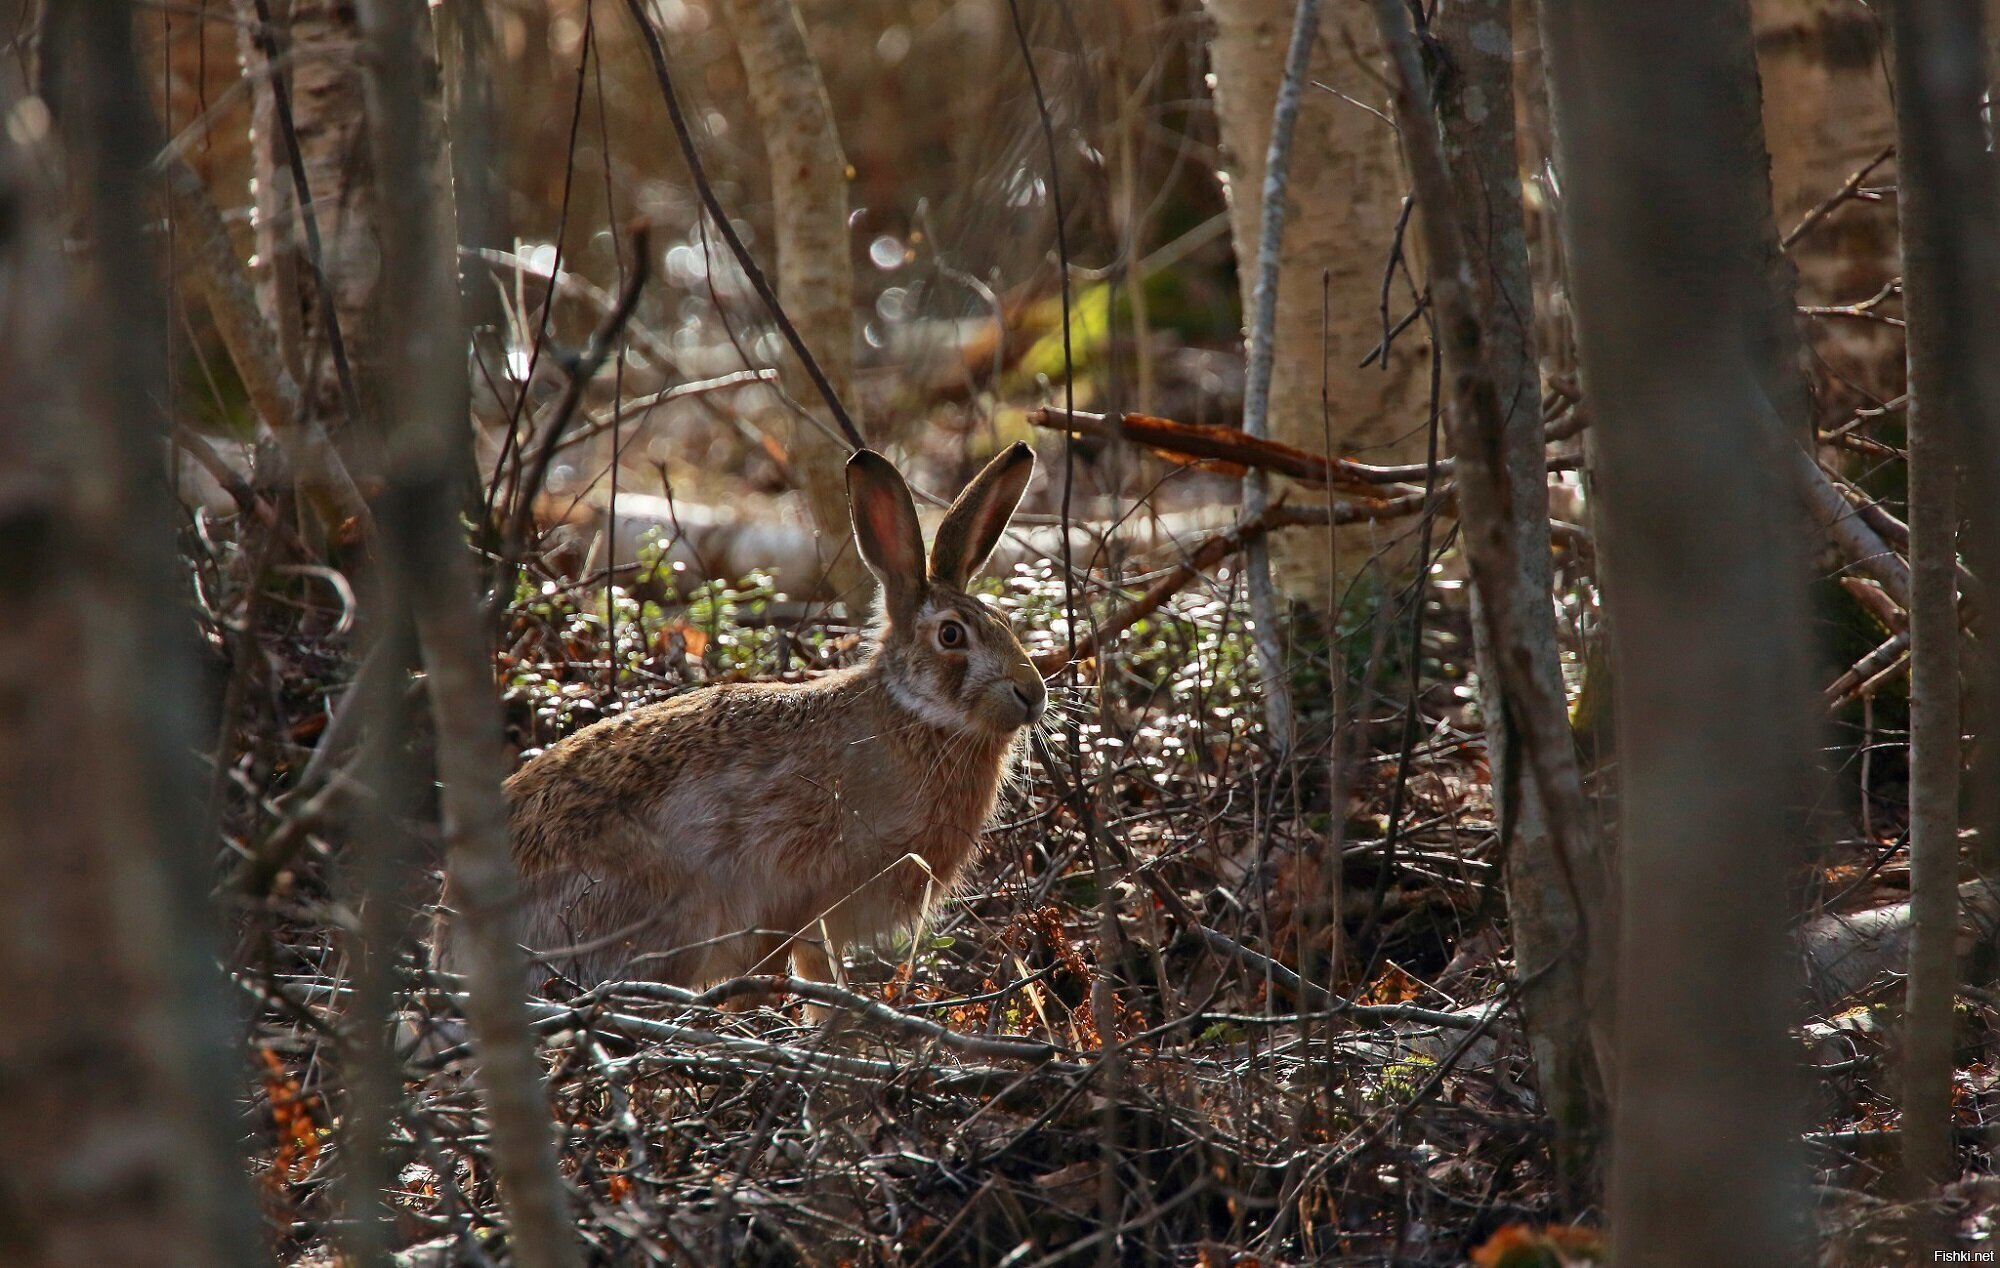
column 944, row 654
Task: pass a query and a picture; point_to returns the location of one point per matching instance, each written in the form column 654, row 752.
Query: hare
column 700, row 838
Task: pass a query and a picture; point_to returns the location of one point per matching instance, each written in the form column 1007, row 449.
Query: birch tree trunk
column 1949, row 201
column 119, row 1055
column 1258, row 351
column 1828, row 111
column 1344, row 197
column 319, row 254
column 1670, row 244
column 815, row 268
column 428, row 566
column 1476, row 109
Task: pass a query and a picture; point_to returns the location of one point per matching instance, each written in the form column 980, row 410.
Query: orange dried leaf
column 692, row 636
column 1557, row 1246
column 1394, row 986
column 292, row 1120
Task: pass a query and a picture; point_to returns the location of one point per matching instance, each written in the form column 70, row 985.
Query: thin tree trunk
column 1258, row 353
column 815, row 267
column 428, row 566
column 1670, row 242
column 119, row 1055
column 479, row 189
column 1476, row 109
column 1946, row 201
column 377, row 870
column 1342, row 203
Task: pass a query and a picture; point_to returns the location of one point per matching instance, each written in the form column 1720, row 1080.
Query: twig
column 1047, row 122
column 1212, row 551
column 1848, row 189
column 678, row 392
column 1891, row 653
column 833, row 997
column 1848, row 528
column 560, row 280
column 720, row 216
column 602, row 341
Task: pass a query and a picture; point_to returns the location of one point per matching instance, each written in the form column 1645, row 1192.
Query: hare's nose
column 1033, row 699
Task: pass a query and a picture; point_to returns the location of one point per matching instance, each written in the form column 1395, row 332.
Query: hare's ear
column 973, row 525
column 885, row 525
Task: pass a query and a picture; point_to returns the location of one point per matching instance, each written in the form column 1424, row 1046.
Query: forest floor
column 1052, row 1068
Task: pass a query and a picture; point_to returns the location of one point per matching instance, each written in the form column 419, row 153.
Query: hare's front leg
column 812, row 961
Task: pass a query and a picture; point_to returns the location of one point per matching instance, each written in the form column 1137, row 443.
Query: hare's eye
column 950, row 634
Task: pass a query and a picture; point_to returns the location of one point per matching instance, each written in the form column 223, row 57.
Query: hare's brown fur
column 701, row 838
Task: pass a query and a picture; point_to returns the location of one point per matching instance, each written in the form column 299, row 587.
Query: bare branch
column 429, row 567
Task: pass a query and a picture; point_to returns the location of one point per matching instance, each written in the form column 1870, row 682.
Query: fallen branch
column 1897, row 534
column 1212, row 551
column 248, row 501
column 1876, row 602
column 1230, row 445
column 1850, row 532
column 1864, row 673
column 763, row 1054
column 833, row 997
column 1236, row 449
column 1850, row 188
column 1846, row 952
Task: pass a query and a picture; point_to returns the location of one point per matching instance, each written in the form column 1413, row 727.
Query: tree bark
column 1476, row 108
column 1261, row 321
column 224, row 285
column 1951, row 270
column 1343, row 201
column 119, row 1055
column 815, row 267
column 428, row 567
column 1697, row 409
column 472, row 110
column 319, row 252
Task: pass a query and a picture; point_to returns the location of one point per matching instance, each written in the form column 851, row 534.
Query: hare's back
column 590, row 798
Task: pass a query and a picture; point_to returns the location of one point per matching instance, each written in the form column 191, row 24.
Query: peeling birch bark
column 323, row 258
